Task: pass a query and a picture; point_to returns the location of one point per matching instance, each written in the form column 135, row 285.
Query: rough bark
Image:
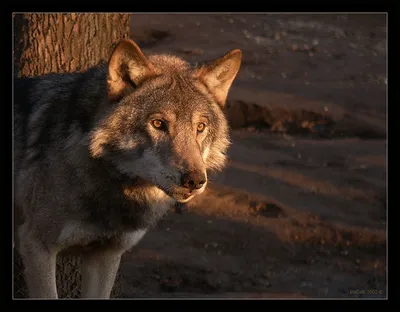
column 64, row 42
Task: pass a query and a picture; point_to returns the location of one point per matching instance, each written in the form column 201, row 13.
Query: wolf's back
column 22, row 106
column 49, row 107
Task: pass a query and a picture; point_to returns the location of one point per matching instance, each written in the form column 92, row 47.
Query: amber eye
column 200, row 127
column 158, row 124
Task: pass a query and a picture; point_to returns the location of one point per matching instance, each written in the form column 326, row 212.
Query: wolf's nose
column 193, row 180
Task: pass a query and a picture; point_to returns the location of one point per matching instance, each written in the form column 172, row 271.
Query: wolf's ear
column 219, row 74
column 127, row 67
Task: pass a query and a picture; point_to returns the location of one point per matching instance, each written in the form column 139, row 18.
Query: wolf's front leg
column 40, row 266
column 99, row 270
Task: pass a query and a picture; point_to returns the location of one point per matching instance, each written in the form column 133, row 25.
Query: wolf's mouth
column 182, row 196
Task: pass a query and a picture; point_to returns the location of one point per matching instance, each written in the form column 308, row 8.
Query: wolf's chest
column 148, row 206
column 120, row 224
column 82, row 237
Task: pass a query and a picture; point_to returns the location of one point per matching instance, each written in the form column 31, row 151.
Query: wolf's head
column 165, row 123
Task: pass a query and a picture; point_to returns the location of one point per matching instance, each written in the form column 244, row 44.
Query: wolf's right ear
column 128, row 66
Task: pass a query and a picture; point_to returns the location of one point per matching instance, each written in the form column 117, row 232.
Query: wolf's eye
column 200, row 127
column 158, row 124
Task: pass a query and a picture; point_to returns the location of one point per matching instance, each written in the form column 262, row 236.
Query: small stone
column 195, row 51
column 305, row 284
column 246, row 34
column 304, row 124
column 264, row 282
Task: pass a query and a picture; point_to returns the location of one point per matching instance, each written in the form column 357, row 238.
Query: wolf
column 100, row 156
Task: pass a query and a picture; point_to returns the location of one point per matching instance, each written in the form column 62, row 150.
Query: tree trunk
column 61, row 43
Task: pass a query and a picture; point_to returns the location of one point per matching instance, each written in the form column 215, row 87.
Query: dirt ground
column 300, row 211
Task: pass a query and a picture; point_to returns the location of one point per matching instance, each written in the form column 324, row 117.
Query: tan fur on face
column 206, row 152
column 98, row 139
column 174, row 74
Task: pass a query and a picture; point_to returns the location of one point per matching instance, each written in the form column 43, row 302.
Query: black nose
column 193, row 180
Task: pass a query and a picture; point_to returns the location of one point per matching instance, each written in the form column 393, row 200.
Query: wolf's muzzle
column 193, row 180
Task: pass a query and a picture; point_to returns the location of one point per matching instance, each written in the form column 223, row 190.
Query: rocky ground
column 300, row 211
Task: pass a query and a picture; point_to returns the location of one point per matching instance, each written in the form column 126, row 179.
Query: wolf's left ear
column 128, row 66
column 219, row 74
